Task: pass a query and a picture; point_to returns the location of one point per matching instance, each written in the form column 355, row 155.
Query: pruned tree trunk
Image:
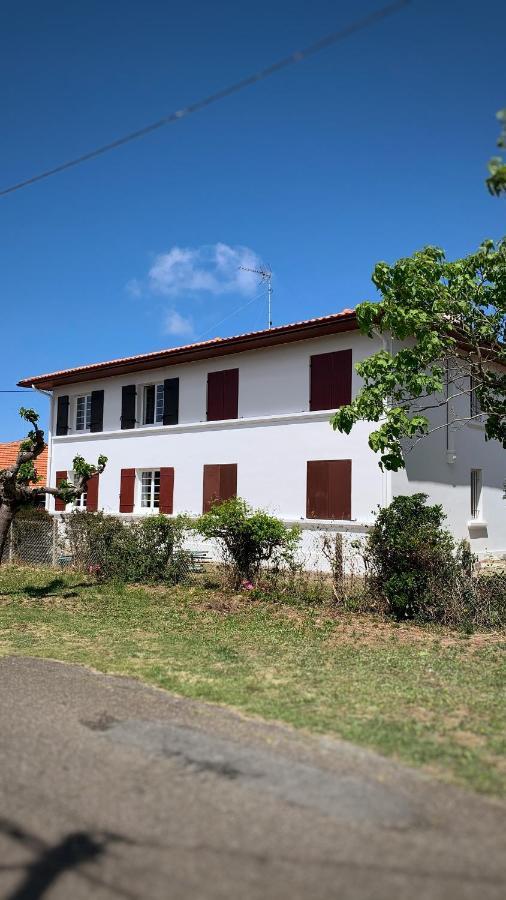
column 6, row 517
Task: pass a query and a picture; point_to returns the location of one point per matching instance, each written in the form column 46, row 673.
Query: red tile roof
column 9, row 452
column 296, row 331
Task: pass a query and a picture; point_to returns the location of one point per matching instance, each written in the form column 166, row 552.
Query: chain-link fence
column 33, row 542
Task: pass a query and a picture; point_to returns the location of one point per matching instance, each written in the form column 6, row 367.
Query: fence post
column 11, row 541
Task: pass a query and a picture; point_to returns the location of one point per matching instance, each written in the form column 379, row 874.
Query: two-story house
column 249, row 415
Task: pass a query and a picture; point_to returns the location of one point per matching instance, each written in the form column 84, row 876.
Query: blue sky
column 373, row 148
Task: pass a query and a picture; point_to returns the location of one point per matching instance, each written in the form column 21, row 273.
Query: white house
column 250, row 415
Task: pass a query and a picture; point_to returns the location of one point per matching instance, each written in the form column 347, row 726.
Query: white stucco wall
column 442, row 469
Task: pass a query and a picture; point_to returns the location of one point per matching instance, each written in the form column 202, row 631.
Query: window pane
column 80, row 413
column 149, row 404
column 156, row 489
column 83, row 412
column 146, row 489
column 159, row 403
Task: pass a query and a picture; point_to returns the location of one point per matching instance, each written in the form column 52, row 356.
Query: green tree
column 19, row 483
column 444, row 330
column 496, row 182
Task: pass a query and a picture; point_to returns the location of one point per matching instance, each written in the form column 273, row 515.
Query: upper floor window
column 330, row 380
column 222, row 395
column 83, row 412
column 474, row 400
column 153, row 404
column 150, row 489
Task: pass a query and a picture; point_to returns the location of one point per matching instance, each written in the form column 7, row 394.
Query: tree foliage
column 496, row 181
column 444, row 329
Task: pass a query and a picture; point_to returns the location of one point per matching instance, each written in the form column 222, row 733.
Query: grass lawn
column 429, row 697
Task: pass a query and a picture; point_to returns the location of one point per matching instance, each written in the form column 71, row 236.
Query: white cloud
column 177, row 324
column 213, row 269
column 134, row 288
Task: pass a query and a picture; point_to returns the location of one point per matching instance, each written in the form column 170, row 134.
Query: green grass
column 427, row 697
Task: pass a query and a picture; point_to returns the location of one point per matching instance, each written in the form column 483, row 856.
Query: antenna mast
column 265, row 275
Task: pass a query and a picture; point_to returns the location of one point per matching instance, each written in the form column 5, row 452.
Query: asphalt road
column 111, row 789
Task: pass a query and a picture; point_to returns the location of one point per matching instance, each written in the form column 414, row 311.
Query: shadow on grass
column 57, row 587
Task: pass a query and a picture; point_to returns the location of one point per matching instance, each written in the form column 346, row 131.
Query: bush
column 247, row 538
column 148, row 550
column 407, row 552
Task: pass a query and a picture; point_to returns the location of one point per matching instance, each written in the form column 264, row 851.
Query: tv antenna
column 265, row 276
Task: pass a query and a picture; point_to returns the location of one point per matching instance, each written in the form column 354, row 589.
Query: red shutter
column 341, row 379
column 228, row 481
column 92, row 493
column 59, row 505
column 317, row 494
column 214, row 396
column 220, row 483
column 166, row 490
column 330, row 380
column 340, row 489
column 211, row 491
column 230, row 394
column 328, row 489
column 222, row 395
column 127, row 491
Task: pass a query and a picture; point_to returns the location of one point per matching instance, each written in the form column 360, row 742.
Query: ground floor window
column 150, row 489
column 476, row 492
column 82, row 501
column 328, row 489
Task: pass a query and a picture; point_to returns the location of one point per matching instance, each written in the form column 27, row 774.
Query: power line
column 233, row 313
column 275, row 67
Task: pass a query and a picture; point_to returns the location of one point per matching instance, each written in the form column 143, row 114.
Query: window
column 476, row 490
column 328, row 489
column 222, row 395
column 330, row 380
column 150, row 489
column 475, row 406
column 83, row 413
column 220, row 483
column 82, row 501
column 153, row 404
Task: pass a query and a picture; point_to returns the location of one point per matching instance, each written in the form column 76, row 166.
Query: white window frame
column 87, row 412
column 158, row 404
column 476, row 495
column 154, row 502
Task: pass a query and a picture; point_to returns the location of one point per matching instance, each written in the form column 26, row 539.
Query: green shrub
column 406, row 552
column 148, row 550
column 247, row 538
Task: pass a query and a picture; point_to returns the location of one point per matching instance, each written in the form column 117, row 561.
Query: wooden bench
column 197, row 559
